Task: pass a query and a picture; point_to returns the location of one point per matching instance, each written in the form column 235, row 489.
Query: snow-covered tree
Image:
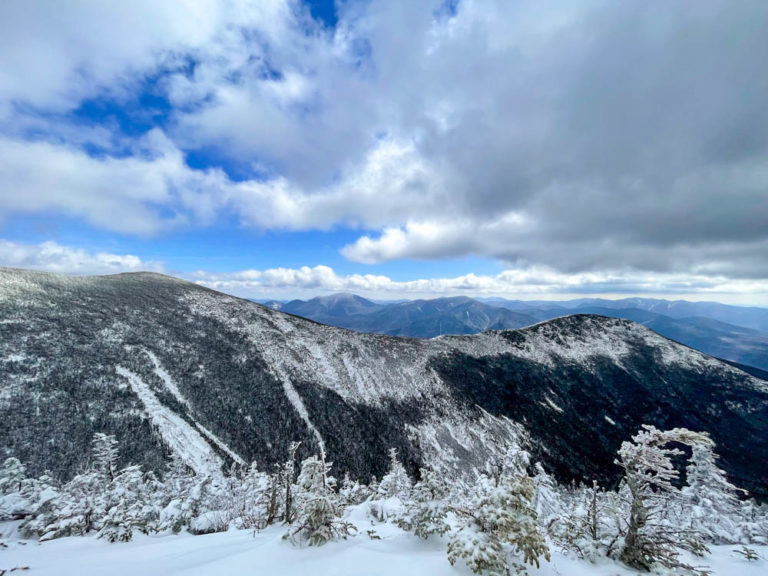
column 23, row 498
column 288, row 473
column 129, row 506
column 754, row 522
column 498, row 530
column 546, row 499
column 591, row 523
column 396, row 481
column 250, row 493
column 711, row 500
column 177, row 506
column 12, row 475
column 12, row 480
column 105, row 455
column 353, row 492
column 79, row 507
column 426, row 509
column 650, row 476
column 318, row 513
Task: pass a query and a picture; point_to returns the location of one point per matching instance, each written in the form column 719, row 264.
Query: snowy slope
column 244, row 553
column 153, row 359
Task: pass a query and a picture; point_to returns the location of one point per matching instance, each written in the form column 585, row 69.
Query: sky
column 396, row 149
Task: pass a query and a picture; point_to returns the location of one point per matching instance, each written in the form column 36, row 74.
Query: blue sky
column 394, row 149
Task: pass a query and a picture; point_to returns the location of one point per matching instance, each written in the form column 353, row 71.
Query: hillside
column 167, row 365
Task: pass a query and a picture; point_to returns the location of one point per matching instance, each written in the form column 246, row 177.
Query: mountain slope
column 153, row 359
column 462, row 315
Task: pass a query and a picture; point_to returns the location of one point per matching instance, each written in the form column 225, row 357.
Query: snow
column 171, row 386
column 552, row 405
column 243, row 552
column 162, row 373
column 178, row 434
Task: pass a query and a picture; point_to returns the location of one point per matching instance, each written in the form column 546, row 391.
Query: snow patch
column 180, row 436
column 171, row 386
column 552, row 405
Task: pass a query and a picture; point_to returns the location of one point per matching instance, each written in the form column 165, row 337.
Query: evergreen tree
column 427, row 508
column 105, row 455
column 319, row 515
column 499, row 514
column 12, row 475
column 352, row 492
column 591, row 523
column 396, row 481
column 288, row 473
column 176, row 502
column 650, row 476
column 546, row 500
column 79, row 507
column 710, row 498
column 128, row 506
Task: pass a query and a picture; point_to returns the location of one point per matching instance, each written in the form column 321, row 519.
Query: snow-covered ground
column 396, row 553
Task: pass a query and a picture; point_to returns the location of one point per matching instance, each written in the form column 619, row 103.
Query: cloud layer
column 535, row 282
column 53, row 257
column 625, row 140
column 304, row 282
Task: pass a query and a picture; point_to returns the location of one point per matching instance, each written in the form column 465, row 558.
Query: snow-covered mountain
column 463, row 315
column 169, row 366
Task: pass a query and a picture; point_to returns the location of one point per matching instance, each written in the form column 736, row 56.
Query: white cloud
column 54, row 257
column 535, row 282
column 140, row 194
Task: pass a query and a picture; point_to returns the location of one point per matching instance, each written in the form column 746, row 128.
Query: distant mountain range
column 416, row 318
column 732, row 333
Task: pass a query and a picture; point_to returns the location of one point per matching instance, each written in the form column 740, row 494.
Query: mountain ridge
column 137, row 356
column 430, row 318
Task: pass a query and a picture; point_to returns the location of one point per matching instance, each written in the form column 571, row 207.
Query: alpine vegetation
column 497, row 521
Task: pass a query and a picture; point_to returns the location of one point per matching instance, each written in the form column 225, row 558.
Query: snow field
column 241, row 552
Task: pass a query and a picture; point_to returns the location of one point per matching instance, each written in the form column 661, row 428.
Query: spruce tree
column 426, row 509
column 500, row 514
column 318, row 518
column 711, row 500
column 650, row 475
column 396, row 481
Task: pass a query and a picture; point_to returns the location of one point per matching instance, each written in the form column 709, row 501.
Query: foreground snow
column 266, row 553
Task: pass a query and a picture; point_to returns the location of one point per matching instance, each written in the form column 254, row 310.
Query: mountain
column 417, row 318
column 172, row 367
column 462, row 315
column 726, row 341
column 743, row 316
column 325, row 309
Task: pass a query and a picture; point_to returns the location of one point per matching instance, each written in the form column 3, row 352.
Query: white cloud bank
column 533, row 283
column 307, row 282
column 53, row 257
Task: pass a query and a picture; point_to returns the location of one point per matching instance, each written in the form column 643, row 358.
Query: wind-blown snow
column 177, row 433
